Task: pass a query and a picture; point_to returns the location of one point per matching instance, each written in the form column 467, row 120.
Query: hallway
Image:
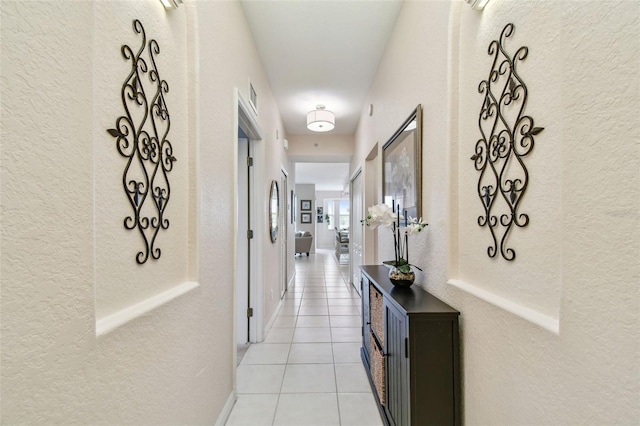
column 308, row 371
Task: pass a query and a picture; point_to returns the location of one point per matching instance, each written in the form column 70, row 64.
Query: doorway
column 243, row 245
column 283, row 226
column 357, row 224
column 248, row 288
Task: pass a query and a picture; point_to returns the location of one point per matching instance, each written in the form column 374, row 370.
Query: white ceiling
column 321, row 52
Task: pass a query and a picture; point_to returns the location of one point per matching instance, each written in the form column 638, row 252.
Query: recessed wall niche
column 530, row 287
column 122, row 285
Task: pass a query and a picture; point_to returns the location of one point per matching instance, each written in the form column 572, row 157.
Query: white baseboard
column 226, row 410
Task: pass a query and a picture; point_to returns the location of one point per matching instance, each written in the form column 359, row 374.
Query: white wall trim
column 226, row 410
column 111, row 322
column 545, row 321
column 248, row 121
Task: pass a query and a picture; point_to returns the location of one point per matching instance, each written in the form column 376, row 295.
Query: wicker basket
column 378, row 373
column 377, row 313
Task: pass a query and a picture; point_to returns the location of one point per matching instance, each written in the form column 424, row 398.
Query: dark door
column 397, row 366
column 366, row 317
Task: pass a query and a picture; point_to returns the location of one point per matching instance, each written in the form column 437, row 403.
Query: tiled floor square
column 343, row 302
column 312, row 409
column 315, row 289
column 289, row 310
column 314, row 302
column 314, row 296
column 287, row 321
column 313, row 310
column 358, row 409
column 313, row 321
column 342, row 295
column 279, row 335
column 345, row 321
column 291, row 303
column 345, row 334
column 304, row 378
column 310, row 353
column 351, row 378
column 343, row 310
column 347, row 352
column 312, row 335
column 258, row 410
column 259, row 378
column 267, row 353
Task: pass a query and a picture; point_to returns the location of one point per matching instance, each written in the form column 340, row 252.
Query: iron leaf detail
column 115, row 133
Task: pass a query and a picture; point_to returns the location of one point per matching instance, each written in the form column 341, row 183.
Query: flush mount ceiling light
column 320, row 120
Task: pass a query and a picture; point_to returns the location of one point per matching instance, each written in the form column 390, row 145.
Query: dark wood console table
column 410, row 350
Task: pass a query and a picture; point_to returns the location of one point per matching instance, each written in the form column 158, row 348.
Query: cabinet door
column 397, row 366
column 366, row 317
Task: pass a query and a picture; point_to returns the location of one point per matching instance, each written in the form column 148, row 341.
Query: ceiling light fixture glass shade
column 321, row 120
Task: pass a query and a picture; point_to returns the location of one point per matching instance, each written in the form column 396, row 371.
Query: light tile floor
column 308, row 371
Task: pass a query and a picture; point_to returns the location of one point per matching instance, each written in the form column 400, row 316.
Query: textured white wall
column 579, row 262
column 61, row 270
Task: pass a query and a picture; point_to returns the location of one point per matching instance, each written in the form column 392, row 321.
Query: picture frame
column 402, row 166
column 305, row 217
column 305, row 205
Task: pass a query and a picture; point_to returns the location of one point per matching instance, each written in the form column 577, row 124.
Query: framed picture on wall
column 305, row 205
column 305, row 217
column 402, row 166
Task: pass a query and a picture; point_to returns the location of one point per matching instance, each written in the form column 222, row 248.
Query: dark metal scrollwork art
column 141, row 137
column 507, row 137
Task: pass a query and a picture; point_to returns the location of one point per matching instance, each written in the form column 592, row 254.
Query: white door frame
column 354, row 247
column 284, row 234
column 247, row 120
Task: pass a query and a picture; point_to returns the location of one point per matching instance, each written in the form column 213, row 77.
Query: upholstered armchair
column 303, row 242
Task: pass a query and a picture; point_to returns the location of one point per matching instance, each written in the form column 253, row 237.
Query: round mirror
column 274, row 204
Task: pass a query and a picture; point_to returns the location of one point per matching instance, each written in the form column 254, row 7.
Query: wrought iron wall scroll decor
column 141, row 137
column 507, row 136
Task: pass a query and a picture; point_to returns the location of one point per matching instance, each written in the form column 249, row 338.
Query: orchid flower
column 383, row 215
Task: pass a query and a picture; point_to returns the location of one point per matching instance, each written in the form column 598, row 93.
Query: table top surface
column 412, row 300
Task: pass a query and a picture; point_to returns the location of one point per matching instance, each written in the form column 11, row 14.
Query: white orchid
column 380, row 214
column 383, row 215
column 414, row 226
